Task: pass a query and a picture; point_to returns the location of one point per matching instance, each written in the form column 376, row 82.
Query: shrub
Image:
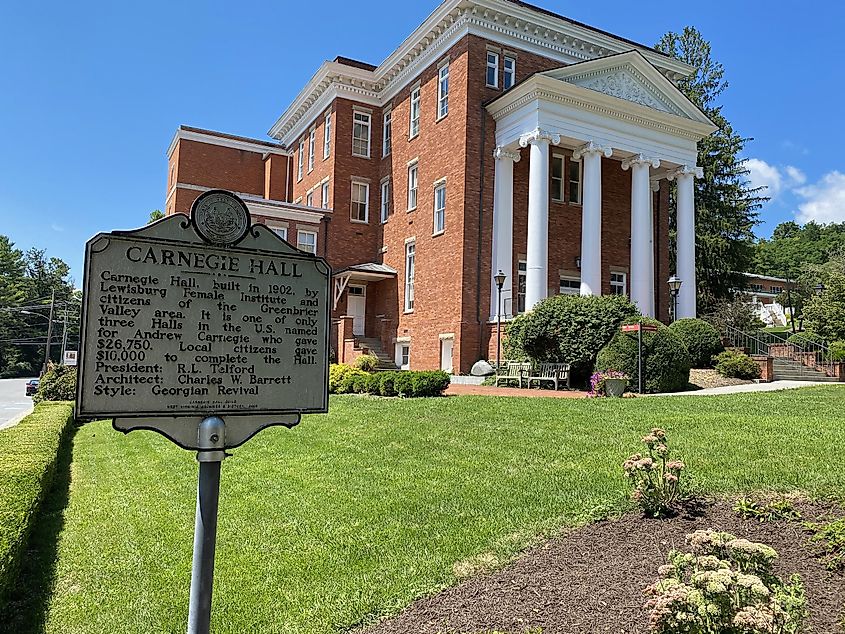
column 568, row 329
column 736, row 313
column 598, row 381
column 665, row 359
column 57, row 384
column 373, row 385
column 28, row 454
column 836, row 351
column 656, row 478
column 831, row 537
column 737, row 365
column 805, row 338
column 724, row 585
column 403, row 384
column 429, row 383
column 366, row 362
column 337, row 372
column 354, row 382
column 385, row 383
column 701, row 339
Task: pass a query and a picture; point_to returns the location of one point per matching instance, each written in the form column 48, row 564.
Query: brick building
column 497, row 137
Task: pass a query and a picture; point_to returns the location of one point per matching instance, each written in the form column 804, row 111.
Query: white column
column 642, row 277
column 503, row 231
column 652, row 265
column 591, row 154
column 685, row 249
column 537, row 249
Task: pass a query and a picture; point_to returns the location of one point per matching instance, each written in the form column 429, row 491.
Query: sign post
column 638, row 328
column 205, row 329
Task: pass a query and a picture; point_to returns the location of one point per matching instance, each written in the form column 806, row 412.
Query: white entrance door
column 357, row 307
column 446, row 346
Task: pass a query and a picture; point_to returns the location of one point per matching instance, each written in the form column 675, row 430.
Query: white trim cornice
column 213, row 139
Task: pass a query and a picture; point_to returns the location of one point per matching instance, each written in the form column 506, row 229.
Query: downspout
column 480, row 226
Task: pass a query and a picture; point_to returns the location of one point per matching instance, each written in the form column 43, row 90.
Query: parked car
column 31, row 387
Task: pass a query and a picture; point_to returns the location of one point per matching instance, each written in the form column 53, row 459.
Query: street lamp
column 500, row 282
column 674, row 289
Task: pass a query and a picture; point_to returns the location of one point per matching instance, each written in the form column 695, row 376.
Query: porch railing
column 811, row 355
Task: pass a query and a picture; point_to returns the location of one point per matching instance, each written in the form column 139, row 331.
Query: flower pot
column 615, row 387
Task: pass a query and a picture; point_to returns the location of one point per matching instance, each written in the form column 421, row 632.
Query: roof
column 347, row 61
column 201, row 135
column 371, row 270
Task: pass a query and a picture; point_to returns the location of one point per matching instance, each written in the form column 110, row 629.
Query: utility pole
column 64, row 336
column 49, row 332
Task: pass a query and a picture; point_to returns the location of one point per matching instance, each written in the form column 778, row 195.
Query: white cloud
column 824, row 201
column 775, row 179
column 56, row 227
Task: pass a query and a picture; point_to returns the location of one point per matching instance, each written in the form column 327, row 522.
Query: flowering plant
column 724, row 585
column 656, row 478
column 597, row 381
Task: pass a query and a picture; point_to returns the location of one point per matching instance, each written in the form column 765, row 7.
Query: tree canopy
column 725, row 203
column 793, row 249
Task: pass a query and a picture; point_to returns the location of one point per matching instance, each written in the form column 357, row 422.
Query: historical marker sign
column 188, row 318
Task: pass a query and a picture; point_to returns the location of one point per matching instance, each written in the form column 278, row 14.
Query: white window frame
column 401, row 357
column 309, row 198
column 439, row 212
column 410, row 273
column 387, row 133
column 300, row 160
column 557, row 182
column 327, row 136
column 354, row 202
column 575, row 200
column 324, row 195
column 573, row 289
column 413, row 184
column 521, row 280
column 505, row 72
column 385, row 200
column 368, row 125
column 619, row 283
column 282, row 232
column 312, row 142
column 443, row 91
column 492, row 62
column 300, row 242
column 414, row 118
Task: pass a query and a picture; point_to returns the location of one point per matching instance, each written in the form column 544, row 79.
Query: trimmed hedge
column 57, row 384
column 28, row 455
column 737, row 365
column 665, row 358
column 701, row 339
column 344, row 379
column 366, row 362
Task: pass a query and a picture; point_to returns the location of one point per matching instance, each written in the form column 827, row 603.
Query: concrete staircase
column 385, row 361
column 790, row 370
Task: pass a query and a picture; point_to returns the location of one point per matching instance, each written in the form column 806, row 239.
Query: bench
column 552, row 372
column 513, row 371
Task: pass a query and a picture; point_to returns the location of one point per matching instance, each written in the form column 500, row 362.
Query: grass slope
column 355, row 513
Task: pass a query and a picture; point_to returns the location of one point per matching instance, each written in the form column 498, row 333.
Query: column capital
column 591, row 147
column 655, row 184
column 686, row 170
column 640, row 159
column 501, row 153
column 538, row 135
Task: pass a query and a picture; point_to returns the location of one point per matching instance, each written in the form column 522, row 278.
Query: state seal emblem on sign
column 220, row 218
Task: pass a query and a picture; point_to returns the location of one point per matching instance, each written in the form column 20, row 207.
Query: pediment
column 630, row 77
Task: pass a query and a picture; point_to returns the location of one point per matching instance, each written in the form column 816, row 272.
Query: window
column 312, row 138
column 757, row 288
column 385, row 200
column 282, row 232
column 403, row 355
column 574, row 182
column 412, row 186
column 410, row 250
column 324, row 196
column 440, row 208
column 557, row 177
column 309, row 199
column 492, row 69
column 414, row 129
column 360, row 204
column 618, row 283
column 387, row 133
column 522, row 268
column 777, row 290
column 299, row 160
column 327, row 136
column 443, row 92
column 361, row 134
column 509, row 73
column 570, row 285
column 307, row 241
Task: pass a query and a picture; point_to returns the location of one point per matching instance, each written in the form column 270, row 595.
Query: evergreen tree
column 725, row 204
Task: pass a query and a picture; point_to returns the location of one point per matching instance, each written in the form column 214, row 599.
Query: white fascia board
column 297, row 213
column 212, row 139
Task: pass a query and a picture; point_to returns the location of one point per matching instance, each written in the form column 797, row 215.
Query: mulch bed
column 710, row 378
column 592, row 578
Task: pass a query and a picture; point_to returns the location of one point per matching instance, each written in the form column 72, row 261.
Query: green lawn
column 353, row 514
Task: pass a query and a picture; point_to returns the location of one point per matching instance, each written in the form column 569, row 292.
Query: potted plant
column 608, row 383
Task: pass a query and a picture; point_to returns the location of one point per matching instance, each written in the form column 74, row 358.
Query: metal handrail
column 813, row 356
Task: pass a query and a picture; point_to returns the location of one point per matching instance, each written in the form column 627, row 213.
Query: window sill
column 414, row 136
column 410, row 209
column 408, row 311
column 440, row 118
column 491, row 86
column 363, row 156
column 438, row 233
column 359, row 222
column 574, row 204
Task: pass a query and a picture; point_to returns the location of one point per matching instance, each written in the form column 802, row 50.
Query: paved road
column 14, row 403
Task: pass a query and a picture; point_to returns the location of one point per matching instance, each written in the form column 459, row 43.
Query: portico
column 613, row 113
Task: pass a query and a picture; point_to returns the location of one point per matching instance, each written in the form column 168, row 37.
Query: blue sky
column 93, row 92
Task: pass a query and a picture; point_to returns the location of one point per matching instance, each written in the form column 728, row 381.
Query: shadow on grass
column 26, row 609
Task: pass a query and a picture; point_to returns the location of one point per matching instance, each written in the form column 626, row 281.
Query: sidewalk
column 747, row 387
